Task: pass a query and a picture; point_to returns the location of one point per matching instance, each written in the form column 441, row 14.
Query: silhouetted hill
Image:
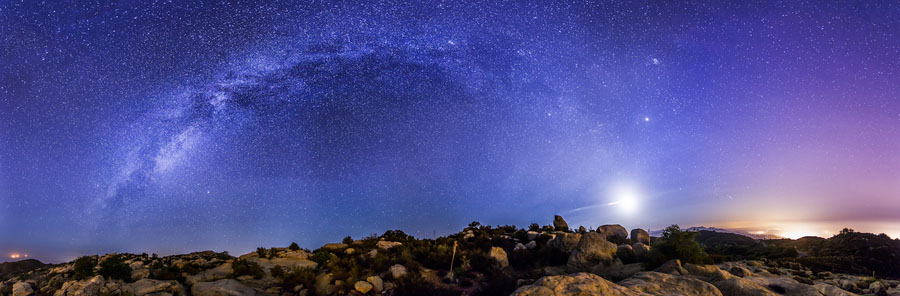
column 8, row 269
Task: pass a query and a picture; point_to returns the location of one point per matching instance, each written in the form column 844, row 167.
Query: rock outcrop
column 592, row 249
column 655, row 283
column 574, row 284
column 224, row 287
column 560, row 224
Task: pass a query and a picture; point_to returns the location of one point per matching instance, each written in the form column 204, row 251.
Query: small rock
column 531, row 245
column 500, row 256
column 519, row 246
column 397, row 271
column 363, row 287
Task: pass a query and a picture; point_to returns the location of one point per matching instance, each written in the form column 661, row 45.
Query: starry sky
column 178, row 126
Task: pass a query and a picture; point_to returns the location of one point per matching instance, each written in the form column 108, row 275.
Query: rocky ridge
column 549, row 260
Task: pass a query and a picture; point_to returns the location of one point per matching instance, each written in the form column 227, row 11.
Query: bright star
column 646, row 118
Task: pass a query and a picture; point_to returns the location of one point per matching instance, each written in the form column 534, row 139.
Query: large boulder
column 559, row 223
column 625, row 252
column 532, row 235
column 323, row 284
column 656, row 283
column 500, row 256
column 385, row 245
column 742, row 287
column 89, row 287
column 377, row 283
column 672, row 267
column 640, row 236
column 640, row 250
column 829, row 290
column 149, row 286
column 22, row 289
column 592, row 250
column 223, row 287
column 710, row 272
column 615, row 233
column 573, row 284
column 740, row 271
column 565, row 242
column 216, row 273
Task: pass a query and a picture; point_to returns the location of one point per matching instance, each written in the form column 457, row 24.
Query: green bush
column 243, row 267
column 294, row 247
column 261, row 252
column 321, row 256
column 347, row 240
column 165, row 273
column 298, row 276
column 676, row 244
column 115, row 268
column 534, row 227
column 84, row 267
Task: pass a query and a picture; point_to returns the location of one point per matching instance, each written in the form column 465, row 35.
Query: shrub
column 243, row 267
column 534, row 227
column 115, row 268
column 84, row 267
column 261, row 252
column 294, row 247
column 397, row 236
column 415, row 286
column 298, row 276
column 347, row 240
column 321, row 256
column 165, row 273
column 676, row 244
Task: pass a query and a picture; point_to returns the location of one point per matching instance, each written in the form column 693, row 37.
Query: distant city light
column 17, row 256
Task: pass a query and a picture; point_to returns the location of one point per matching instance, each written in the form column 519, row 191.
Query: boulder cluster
column 480, row 260
column 729, row 278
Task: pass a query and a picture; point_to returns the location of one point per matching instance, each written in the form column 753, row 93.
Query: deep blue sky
column 172, row 127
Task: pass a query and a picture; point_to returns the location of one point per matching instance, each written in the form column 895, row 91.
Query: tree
column 347, row 240
column 534, row 227
column 84, row 267
column 294, row 247
column 676, row 244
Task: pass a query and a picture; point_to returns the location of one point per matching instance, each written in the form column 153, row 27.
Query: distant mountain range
column 659, row 232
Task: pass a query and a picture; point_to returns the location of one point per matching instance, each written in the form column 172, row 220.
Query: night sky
column 171, row 127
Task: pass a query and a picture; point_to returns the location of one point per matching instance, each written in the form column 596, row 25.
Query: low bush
column 115, row 268
column 84, row 267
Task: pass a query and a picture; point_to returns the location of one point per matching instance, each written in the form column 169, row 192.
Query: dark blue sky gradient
column 172, row 127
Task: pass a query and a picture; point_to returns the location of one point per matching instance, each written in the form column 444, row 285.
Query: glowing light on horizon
column 626, row 197
column 17, row 256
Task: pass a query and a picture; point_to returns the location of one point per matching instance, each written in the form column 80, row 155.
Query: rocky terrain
column 485, row 260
